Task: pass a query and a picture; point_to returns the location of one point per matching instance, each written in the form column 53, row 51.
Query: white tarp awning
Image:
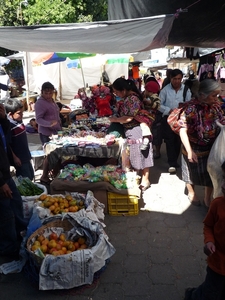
column 121, row 36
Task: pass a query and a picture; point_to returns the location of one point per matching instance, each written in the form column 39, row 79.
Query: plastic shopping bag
column 215, row 160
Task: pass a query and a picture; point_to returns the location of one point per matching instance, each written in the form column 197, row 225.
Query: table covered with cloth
column 55, row 152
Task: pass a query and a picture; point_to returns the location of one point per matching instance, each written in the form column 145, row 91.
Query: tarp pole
column 82, row 73
column 26, row 80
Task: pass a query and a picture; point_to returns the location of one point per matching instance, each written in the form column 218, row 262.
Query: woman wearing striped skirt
column 198, row 131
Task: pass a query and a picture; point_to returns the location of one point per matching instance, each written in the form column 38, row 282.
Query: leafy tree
column 16, row 13
column 91, row 10
column 48, row 12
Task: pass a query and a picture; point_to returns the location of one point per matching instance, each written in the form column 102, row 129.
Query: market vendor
column 48, row 120
column 130, row 107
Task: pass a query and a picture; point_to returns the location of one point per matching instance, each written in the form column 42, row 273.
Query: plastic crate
column 122, row 205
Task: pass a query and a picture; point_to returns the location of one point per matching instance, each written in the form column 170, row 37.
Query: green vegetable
column 27, row 188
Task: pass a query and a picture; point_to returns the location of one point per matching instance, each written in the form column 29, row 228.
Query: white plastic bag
column 215, row 160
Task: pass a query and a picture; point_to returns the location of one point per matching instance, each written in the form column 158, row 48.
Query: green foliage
column 48, row 12
column 90, row 10
column 8, row 13
column 15, row 13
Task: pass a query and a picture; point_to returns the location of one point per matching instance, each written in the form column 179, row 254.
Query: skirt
column 196, row 173
column 139, row 159
column 157, row 130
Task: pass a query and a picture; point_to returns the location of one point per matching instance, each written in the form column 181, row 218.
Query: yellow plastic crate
column 122, row 205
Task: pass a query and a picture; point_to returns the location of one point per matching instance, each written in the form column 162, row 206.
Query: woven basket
column 65, row 224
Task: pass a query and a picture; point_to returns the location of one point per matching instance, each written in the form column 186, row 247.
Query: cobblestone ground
column 159, row 252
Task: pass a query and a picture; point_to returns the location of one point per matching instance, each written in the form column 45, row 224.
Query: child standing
column 213, row 288
column 19, row 144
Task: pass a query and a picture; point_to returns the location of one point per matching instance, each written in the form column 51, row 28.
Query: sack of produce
column 48, row 206
column 29, row 192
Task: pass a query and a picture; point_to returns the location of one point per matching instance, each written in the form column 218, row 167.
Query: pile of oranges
column 60, row 204
column 58, row 245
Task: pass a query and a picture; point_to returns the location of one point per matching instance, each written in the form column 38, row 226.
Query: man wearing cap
column 171, row 95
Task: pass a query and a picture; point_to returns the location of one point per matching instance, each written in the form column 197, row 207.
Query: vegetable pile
column 26, row 187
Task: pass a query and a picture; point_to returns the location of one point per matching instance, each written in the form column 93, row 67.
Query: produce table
column 55, row 152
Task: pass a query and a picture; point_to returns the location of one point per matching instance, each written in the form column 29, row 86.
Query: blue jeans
column 44, row 138
column 12, row 221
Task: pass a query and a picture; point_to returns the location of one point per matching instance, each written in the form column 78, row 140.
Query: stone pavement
column 159, row 252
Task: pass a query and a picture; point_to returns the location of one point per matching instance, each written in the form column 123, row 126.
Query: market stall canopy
column 123, row 36
column 53, row 57
column 199, row 23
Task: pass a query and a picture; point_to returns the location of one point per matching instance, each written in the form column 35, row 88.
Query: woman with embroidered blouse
column 131, row 115
column 198, row 131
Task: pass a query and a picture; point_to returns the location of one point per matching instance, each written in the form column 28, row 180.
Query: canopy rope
column 182, row 10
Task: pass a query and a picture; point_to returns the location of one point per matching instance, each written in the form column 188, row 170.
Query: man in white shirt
column 171, row 95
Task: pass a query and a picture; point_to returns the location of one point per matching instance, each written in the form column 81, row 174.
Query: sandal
column 193, row 201
column 144, row 187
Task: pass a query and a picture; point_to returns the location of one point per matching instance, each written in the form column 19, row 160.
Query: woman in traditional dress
column 131, row 115
column 198, row 131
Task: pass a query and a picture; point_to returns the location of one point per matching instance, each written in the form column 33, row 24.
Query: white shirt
column 170, row 99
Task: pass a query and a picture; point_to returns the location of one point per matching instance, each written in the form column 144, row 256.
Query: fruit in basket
column 52, row 244
column 81, row 240
column 44, row 248
column 59, row 204
column 45, row 242
column 62, row 237
column 53, row 236
column 40, row 238
column 42, row 197
column 58, row 245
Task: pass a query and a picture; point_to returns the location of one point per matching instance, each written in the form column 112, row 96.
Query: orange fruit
column 44, row 248
column 45, row 242
column 40, row 238
column 81, row 240
column 77, row 245
column 62, row 237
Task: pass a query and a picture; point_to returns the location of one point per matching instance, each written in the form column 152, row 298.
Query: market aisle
column 158, row 252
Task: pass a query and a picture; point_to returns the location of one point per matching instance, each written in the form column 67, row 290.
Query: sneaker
column 172, row 170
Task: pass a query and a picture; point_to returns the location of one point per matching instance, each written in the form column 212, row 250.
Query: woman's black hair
column 59, row 105
column 121, row 84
